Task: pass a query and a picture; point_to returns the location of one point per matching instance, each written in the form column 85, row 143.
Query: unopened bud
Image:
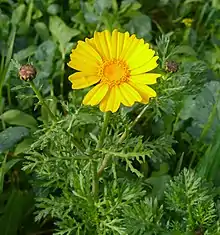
column 27, row 72
column 172, row 66
column 188, row 22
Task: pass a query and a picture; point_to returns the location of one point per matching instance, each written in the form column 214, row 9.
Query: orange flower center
column 114, row 72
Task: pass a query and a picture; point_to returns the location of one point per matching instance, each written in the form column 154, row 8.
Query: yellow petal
column 85, row 58
column 145, row 78
column 119, row 41
column 128, row 42
column 112, row 100
column 87, row 50
column 96, row 94
column 134, row 48
column 83, row 66
column 145, row 91
column 152, row 64
column 128, row 94
column 103, row 43
column 140, row 56
column 80, row 80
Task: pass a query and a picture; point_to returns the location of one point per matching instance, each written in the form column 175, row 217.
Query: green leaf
column 159, row 184
column 216, row 4
column 101, row 5
column 25, row 53
column 42, row 30
column 18, row 204
column 22, row 146
column 19, row 118
column 209, row 164
column 18, row 14
column 53, row 9
column 200, row 108
column 2, row 174
column 184, row 49
column 131, row 5
column 60, row 31
column 5, row 167
column 10, row 136
column 141, row 26
column 86, row 118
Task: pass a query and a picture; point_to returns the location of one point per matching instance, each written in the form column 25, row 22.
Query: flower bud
column 188, row 22
column 172, row 66
column 27, row 72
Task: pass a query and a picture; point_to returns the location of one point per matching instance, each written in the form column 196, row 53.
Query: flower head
column 117, row 63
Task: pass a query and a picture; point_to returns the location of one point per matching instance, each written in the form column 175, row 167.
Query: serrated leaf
column 86, row 118
column 19, row 118
column 60, row 31
column 10, row 136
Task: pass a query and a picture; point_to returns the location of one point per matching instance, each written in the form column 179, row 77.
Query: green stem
column 103, row 131
column 175, row 124
column 75, row 142
column 95, row 181
column 107, row 157
column 186, row 35
column 62, row 71
column 5, row 61
column 124, row 135
column 136, row 120
column 104, row 164
column 9, row 94
column 41, row 99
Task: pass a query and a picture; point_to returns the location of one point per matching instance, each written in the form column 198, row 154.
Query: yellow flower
column 117, row 63
column 188, row 22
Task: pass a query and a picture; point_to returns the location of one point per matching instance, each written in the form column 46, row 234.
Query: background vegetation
column 163, row 174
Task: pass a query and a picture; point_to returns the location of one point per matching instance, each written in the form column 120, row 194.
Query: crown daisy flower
column 117, row 64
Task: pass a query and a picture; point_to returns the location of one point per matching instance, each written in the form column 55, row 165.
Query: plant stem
column 79, row 146
column 62, row 71
column 133, row 124
column 103, row 131
column 41, row 99
column 95, row 181
column 175, row 124
column 102, row 167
